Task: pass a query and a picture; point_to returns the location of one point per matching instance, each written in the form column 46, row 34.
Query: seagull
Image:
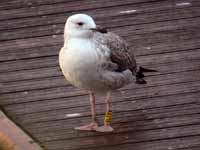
column 97, row 61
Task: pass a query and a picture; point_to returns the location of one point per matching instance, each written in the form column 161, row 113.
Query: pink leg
column 106, row 127
column 108, row 100
column 93, row 125
column 93, row 106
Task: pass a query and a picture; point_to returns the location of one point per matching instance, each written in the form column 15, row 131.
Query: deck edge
column 15, row 135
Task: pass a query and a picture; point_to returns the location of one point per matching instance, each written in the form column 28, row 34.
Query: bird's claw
column 105, row 128
column 90, row 127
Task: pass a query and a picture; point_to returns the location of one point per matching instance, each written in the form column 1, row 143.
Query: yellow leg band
column 108, row 117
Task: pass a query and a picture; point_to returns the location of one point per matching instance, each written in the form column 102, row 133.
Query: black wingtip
column 140, row 81
column 147, row 70
column 140, row 75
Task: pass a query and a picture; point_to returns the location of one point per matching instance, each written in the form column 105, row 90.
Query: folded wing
column 120, row 53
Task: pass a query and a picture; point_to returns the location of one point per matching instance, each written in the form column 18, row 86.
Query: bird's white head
column 79, row 26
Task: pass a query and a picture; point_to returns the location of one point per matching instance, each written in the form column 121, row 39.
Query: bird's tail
column 140, row 75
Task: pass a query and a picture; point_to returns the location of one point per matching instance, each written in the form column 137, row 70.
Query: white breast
column 79, row 61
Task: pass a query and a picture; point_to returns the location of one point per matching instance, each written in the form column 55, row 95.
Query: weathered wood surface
column 162, row 115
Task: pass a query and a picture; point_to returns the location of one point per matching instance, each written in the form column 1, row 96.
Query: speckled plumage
column 110, row 63
column 120, row 52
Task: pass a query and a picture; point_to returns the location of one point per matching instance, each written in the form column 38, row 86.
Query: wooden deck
column 162, row 115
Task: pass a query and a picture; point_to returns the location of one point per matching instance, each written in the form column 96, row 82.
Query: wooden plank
column 169, row 57
column 159, row 42
column 173, row 26
column 70, row 102
column 16, row 54
column 53, row 61
column 99, row 14
column 192, row 148
column 47, row 134
column 40, row 64
column 31, row 32
column 138, row 126
column 122, row 108
column 62, row 8
column 33, row 84
column 14, row 4
column 174, row 143
column 32, row 42
column 140, row 49
column 122, row 138
column 164, row 69
column 28, row 64
column 144, row 119
column 5, row 5
column 175, row 66
column 159, row 16
column 61, row 92
column 100, row 18
column 12, row 44
column 58, row 40
column 34, row 74
column 164, row 26
column 165, row 46
column 172, row 75
column 161, row 37
column 161, row 90
column 163, row 114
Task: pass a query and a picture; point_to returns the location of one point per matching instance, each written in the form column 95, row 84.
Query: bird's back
column 120, row 52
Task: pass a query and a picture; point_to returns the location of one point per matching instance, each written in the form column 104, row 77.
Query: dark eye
column 80, row 23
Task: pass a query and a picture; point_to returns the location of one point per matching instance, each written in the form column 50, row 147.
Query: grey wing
column 120, row 53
